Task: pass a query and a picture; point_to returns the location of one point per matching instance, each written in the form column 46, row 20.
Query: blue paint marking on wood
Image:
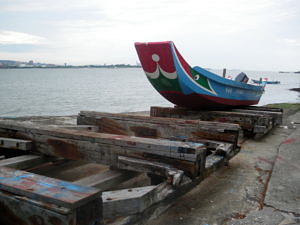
column 45, row 189
column 73, row 187
column 16, row 178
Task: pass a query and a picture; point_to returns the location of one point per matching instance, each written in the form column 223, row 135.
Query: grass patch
column 285, row 105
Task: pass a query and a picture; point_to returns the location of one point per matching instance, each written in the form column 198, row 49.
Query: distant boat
column 264, row 81
column 190, row 87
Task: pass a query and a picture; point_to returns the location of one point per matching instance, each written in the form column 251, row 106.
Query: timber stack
column 255, row 121
column 114, row 165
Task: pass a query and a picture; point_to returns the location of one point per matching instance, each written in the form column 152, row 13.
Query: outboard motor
column 242, row 77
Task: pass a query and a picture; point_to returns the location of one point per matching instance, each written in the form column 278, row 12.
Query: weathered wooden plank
column 78, row 127
column 276, row 116
column 45, row 189
column 262, row 108
column 90, row 117
column 172, row 174
column 154, row 127
column 103, row 148
column 55, row 137
column 106, row 180
column 20, row 210
column 68, row 170
column 217, row 147
column 164, row 195
column 23, row 161
column 223, row 149
column 15, row 144
column 247, row 121
column 127, row 201
column 213, row 162
column 173, row 129
column 191, row 169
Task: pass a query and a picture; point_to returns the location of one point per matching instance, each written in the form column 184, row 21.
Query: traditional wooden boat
column 265, row 81
column 190, row 87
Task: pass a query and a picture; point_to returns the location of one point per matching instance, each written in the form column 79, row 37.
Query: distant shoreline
column 288, row 72
column 117, row 66
column 72, row 67
column 11, row 64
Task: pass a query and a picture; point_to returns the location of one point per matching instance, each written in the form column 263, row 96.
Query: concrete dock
column 260, row 186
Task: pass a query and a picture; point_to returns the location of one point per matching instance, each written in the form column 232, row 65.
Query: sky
column 233, row 34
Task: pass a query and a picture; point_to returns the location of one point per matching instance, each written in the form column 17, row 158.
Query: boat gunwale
column 227, row 82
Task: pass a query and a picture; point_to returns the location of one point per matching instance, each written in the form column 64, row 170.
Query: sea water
column 26, row 92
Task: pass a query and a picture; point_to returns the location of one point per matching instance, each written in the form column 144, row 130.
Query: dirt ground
column 261, row 185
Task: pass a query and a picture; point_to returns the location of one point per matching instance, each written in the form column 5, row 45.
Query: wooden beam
column 16, row 209
column 247, row 120
column 154, row 127
column 276, row 116
column 172, row 174
column 213, row 163
column 23, row 161
column 46, row 189
column 106, row 180
column 163, row 195
column 100, row 147
column 15, row 144
column 78, row 127
column 217, row 147
column 127, row 201
column 262, row 108
column 160, row 197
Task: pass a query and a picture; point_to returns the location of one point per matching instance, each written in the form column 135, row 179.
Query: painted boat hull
column 190, row 87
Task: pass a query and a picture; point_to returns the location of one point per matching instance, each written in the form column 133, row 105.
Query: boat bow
column 195, row 87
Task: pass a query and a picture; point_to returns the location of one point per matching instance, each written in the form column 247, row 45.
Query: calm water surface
column 25, row 92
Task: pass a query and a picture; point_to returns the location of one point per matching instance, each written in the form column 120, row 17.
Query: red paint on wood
column 289, row 141
column 65, row 149
column 132, row 143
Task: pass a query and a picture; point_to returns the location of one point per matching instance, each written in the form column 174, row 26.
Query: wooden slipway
column 113, row 168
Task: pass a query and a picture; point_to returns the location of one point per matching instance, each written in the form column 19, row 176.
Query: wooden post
column 224, row 72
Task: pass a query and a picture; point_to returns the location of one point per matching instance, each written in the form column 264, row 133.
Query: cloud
column 13, row 37
column 37, row 5
column 104, row 31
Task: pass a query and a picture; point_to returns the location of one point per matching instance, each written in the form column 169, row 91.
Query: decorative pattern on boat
column 159, row 71
column 163, row 81
column 186, row 71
